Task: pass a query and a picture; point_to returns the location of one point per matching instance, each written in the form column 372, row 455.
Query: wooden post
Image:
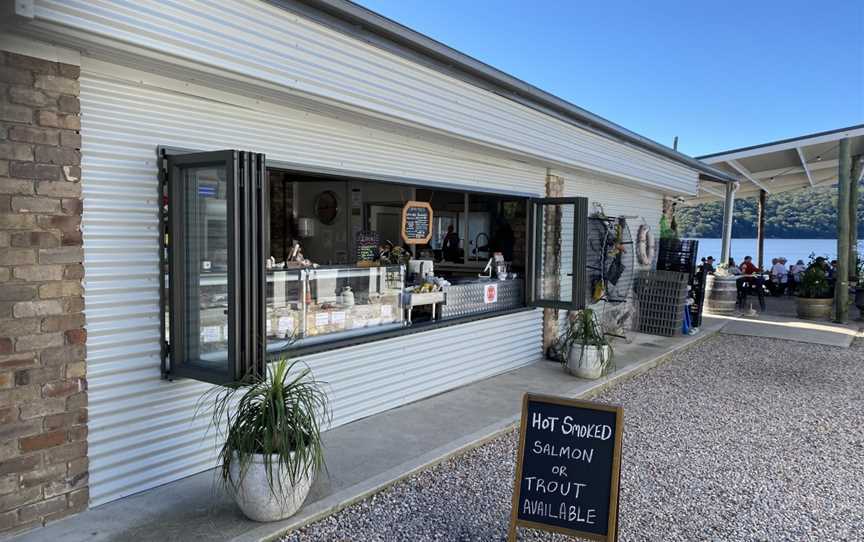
column 728, row 209
column 854, row 200
column 760, row 229
column 841, row 284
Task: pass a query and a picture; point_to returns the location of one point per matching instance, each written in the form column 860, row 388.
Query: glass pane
column 555, row 252
column 311, row 306
column 206, row 264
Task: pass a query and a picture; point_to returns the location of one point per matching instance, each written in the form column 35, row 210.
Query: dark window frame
column 245, row 237
column 249, row 230
column 579, row 260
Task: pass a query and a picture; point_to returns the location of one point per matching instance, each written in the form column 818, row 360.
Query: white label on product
column 337, row 317
column 285, row 325
column 386, row 311
column 490, row 293
column 210, row 334
column 322, row 318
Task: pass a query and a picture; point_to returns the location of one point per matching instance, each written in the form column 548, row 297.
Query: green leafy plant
column 667, row 231
column 814, row 281
column 274, row 418
column 584, row 331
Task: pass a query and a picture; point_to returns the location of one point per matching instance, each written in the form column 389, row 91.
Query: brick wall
column 43, row 398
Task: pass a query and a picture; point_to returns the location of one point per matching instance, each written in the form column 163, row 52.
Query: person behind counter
column 450, row 245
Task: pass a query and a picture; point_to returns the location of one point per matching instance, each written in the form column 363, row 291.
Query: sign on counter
column 490, row 293
column 567, row 467
column 417, row 223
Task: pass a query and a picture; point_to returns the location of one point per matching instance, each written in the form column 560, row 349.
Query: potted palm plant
column 270, row 429
column 584, row 348
column 814, row 295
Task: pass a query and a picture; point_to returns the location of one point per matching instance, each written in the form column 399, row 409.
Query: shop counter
column 477, row 296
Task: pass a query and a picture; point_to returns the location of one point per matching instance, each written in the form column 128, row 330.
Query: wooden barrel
column 721, row 295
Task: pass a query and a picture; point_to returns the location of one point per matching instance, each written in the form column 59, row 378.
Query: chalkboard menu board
column 417, row 223
column 567, row 467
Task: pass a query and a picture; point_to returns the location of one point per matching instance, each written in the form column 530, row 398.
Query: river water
column 792, row 249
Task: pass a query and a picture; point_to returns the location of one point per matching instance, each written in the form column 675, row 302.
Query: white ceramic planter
column 588, row 363
column 254, row 497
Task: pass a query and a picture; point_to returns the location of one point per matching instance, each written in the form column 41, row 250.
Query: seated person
column 797, row 270
column 747, row 267
column 732, row 267
column 779, row 276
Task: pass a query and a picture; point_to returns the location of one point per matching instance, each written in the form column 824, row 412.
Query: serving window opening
column 350, row 258
column 258, row 262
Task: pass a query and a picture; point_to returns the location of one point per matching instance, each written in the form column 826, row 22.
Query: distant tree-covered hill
column 802, row 214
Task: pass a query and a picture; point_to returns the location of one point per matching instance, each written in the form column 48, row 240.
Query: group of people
column 781, row 278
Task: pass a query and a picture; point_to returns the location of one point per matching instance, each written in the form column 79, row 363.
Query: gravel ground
column 738, row 438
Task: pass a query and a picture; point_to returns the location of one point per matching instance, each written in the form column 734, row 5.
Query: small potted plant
column 814, row 295
column 583, row 347
column 270, row 429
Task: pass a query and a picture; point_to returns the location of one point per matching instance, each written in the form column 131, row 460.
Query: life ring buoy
column 645, row 245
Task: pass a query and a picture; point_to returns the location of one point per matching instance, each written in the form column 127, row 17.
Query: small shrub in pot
column 583, row 348
column 270, row 429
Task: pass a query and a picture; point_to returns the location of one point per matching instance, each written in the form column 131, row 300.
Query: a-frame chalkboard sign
column 568, row 467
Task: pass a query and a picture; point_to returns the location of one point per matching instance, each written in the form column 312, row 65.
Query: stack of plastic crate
column 660, row 298
column 680, row 255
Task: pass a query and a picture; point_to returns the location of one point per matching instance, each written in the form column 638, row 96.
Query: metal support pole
column 760, row 229
column 728, row 209
column 841, row 284
column 854, row 201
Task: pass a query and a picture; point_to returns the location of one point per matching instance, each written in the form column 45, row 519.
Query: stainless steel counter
column 469, row 298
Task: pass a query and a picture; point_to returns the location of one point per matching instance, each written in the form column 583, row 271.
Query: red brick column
column 43, row 397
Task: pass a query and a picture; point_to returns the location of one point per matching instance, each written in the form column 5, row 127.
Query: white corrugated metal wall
column 616, row 199
column 142, row 432
column 252, row 40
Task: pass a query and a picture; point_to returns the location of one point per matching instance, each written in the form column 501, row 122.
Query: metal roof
column 364, row 24
column 781, row 166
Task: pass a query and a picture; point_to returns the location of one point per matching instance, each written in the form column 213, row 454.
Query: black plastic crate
column 678, row 255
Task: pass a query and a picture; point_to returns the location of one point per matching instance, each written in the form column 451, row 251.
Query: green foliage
column 276, row 417
column 814, row 281
column 666, row 231
column 584, row 330
column 802, row 214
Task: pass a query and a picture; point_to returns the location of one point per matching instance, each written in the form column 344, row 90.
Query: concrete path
column 793, row 330
column 363, row 457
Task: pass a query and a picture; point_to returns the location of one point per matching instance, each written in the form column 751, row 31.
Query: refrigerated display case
column 311, row 306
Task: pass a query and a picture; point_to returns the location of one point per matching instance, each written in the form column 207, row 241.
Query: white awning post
column 728, row 210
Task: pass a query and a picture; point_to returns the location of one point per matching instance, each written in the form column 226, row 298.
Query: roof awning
column 781, row 166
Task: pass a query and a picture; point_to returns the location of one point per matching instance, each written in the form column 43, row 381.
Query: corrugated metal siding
column 617, row 199
column 249, row 38
column 142, row 432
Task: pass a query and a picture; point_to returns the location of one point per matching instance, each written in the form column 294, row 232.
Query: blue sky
column 718, row 74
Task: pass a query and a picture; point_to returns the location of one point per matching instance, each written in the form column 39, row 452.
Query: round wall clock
column 327, row 207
